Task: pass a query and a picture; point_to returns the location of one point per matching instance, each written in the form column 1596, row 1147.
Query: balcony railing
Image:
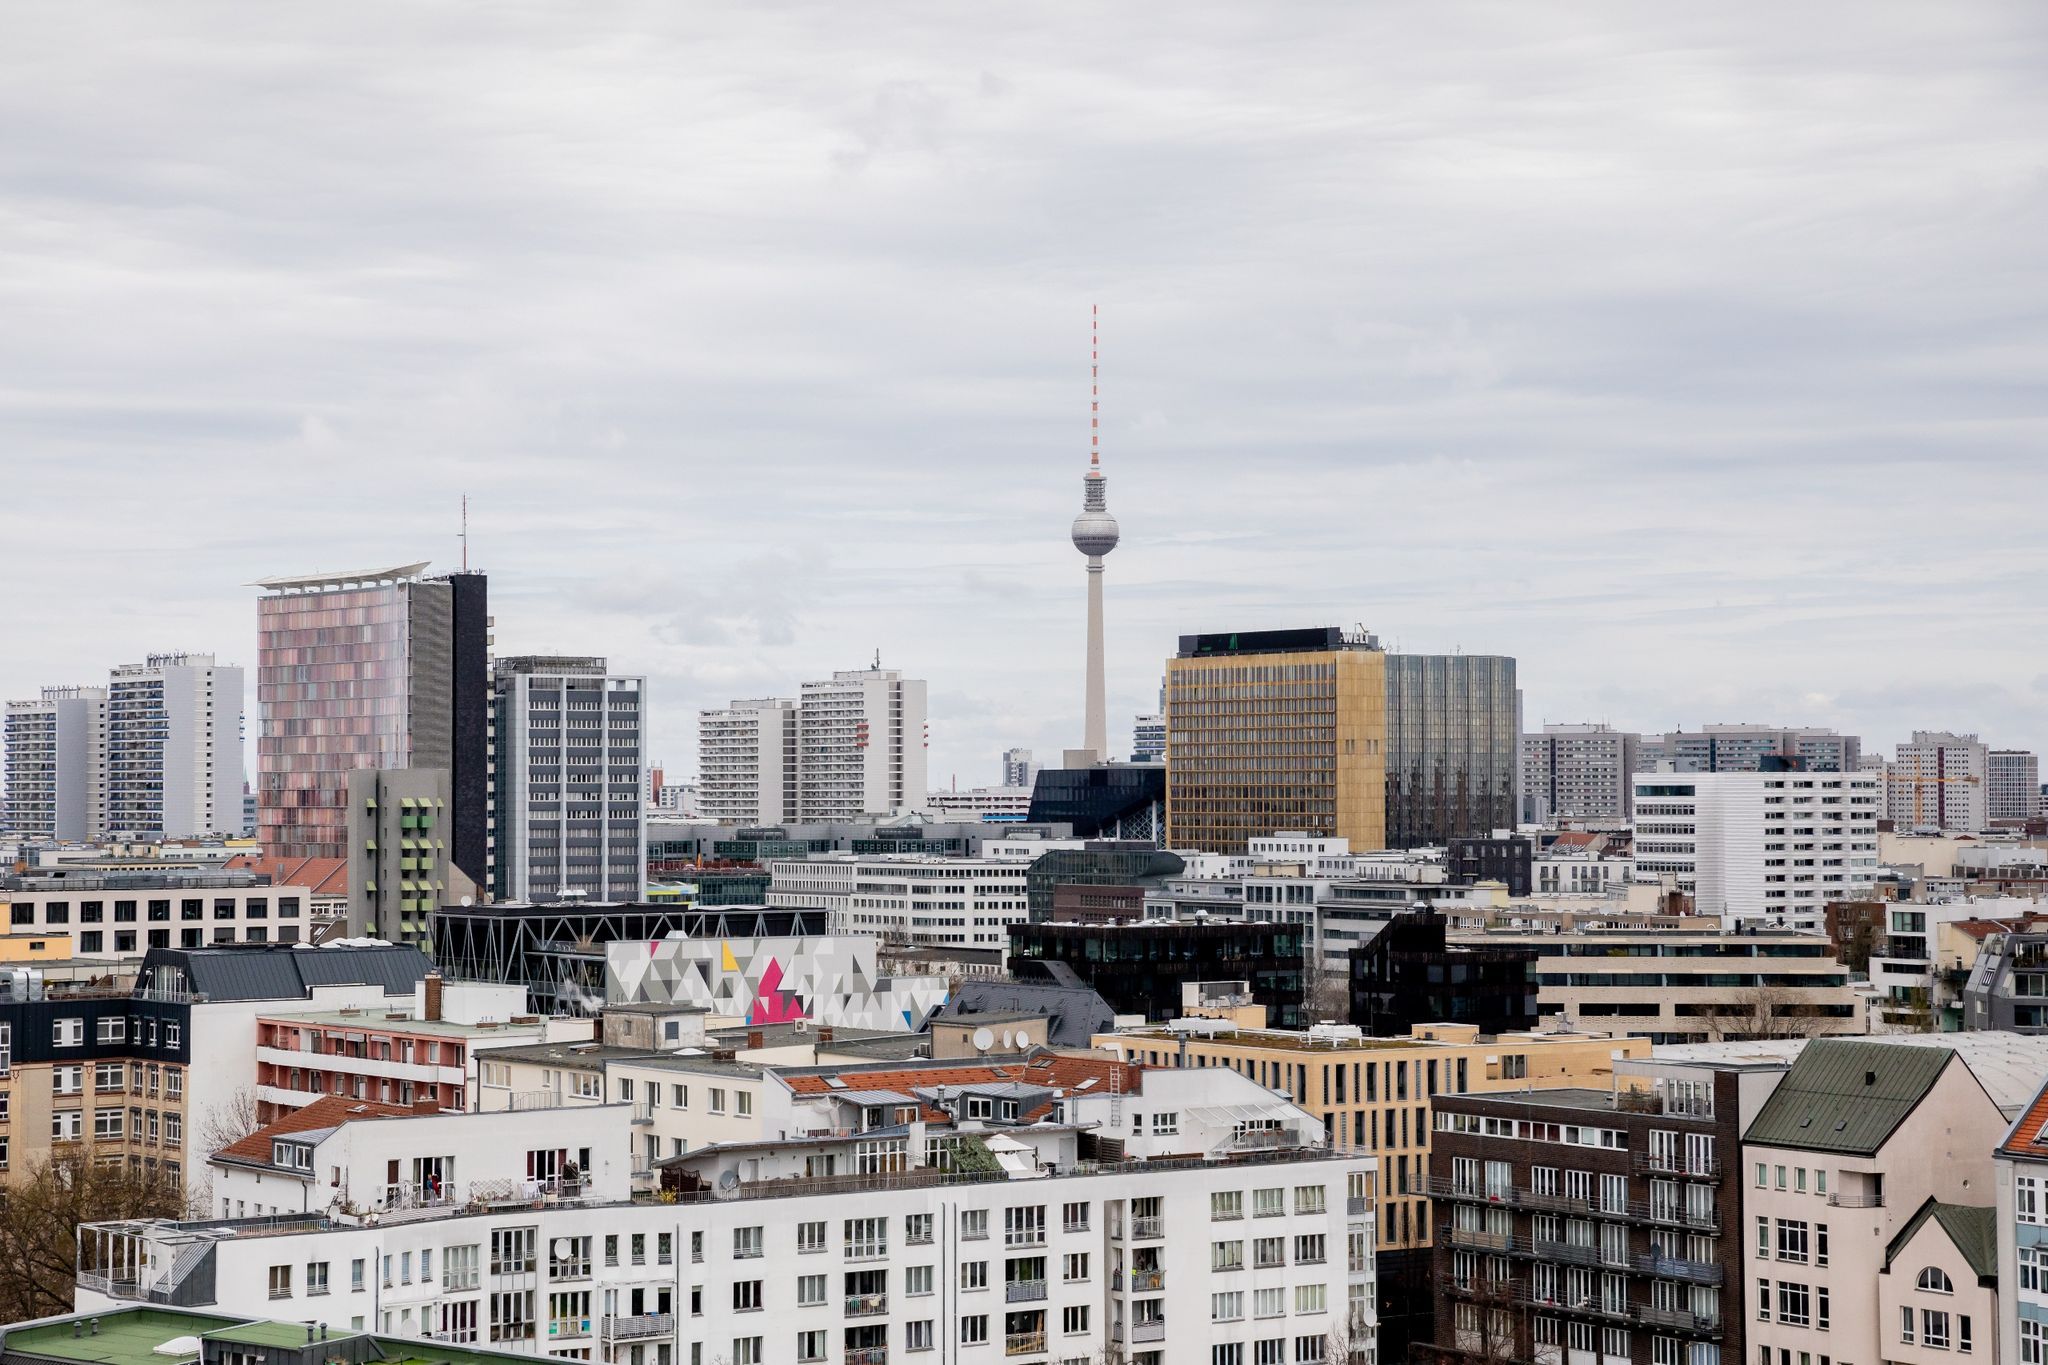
column 868, row 1355
column 1023, row 1291
column 1148, row 1229
column 1140, row 1332
column 1855, row 1201
column 1358, row 1206
column 1630, row 1211
column 1147, row 1281
column 866, row 1305
column 637, row 1326
column 1685, row 1167
column 1024, row 1344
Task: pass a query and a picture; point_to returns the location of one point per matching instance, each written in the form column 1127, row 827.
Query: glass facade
column 1452, row 736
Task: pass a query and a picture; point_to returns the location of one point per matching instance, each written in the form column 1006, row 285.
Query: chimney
column 756, row 1040
column 825, row 1033
column 432, row 988
column 426, row 1106
column 309, row 1334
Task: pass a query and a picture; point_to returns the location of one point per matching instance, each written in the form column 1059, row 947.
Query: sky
column 1691, row 355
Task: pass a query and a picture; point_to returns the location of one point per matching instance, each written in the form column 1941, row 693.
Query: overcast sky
column 1693, row 355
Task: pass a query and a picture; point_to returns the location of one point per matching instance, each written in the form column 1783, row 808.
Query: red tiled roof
column 329, row 1111
column 2026, row 1134
column 1574, row 839
column 321, row 876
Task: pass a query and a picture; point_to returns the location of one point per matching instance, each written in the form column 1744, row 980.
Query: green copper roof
column 1846, row 1096
column 1974, row 1231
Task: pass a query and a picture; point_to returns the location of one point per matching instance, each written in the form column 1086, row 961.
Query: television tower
column 1095, row 535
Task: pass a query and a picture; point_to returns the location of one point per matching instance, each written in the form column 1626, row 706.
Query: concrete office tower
column 746, row 762
column 1018, row 769
column 1577, row 772
column 1770, row 847
column 860, row 744
column 1453, row 726
column 1939, row 780
column 378, row 669
column 2014, row 785
column 569, row 812
column 1276, row 729
column 1741, row 748
column 1148, row 739
column 174, row 748
column 1095, row 535
column 57, row 764
column 399, row 868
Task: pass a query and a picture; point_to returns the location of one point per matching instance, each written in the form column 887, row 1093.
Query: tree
column 1765, row 1012
column 229, row 1121
column 41, row 1211
column 1326, row 996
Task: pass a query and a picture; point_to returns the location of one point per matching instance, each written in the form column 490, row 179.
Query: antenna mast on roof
column 465, row 533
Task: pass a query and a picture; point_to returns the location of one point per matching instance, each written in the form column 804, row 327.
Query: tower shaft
column 1095, row 736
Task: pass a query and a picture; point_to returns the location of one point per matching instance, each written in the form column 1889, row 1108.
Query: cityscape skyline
column 825, row 450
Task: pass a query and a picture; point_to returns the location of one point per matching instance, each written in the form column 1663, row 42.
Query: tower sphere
column 1095, row 532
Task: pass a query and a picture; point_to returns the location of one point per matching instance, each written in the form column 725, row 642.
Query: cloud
column 1690, row 356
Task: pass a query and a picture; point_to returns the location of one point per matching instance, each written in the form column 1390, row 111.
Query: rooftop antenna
column 878, row 659
column 1094, row 386
column 465, row 533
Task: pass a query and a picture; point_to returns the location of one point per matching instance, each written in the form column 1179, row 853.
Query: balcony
column 1024, row 1291
column 1138, row 1333
column 866, row 1305
column 1151, row 1229
column 868, row 1355
column 1358, row 1206
column 643, row 1111
column 1148, row 1281
column 1856, row 1201
column 1685, row 1168
column 637, row 1327
column 1024, row 1344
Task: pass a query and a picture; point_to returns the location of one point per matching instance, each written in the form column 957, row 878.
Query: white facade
column 981, row 803
column 1148, row 739
column 910, row 898
column 746, row 762
column 126, row 923
column 2013, row 784
column 1048, row 1258
column 1018, row 768
column 570, row 770
column 57, row 764
column 1939, row 780
column 1577, row 772
column 174, row 748
column 1760, row 847
column 860, row 745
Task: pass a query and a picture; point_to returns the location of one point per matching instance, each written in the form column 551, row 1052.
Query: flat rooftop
column 1286, row 1040
column 377, row 1019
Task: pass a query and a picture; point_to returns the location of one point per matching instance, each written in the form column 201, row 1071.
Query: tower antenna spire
column 465, row 533
column 1095, row 535
column 1094, row 386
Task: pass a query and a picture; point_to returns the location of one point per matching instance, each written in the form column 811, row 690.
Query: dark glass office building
column 1140, row 968
column 1407, row 974
column 1108, row 801
column 1452, row 736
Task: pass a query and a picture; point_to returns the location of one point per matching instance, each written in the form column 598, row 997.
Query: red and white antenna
column 465, row 533
column 1094, row 387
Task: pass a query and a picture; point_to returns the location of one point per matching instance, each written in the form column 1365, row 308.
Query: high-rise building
column 1148, row 739
column 1938, row 780
column 860, row 744
column 1095, row 535
column 1742, row 748
column 1018, row 769
column 174, row 747
column 1774, row 846
column 570, row 817
column 399, row 868
column 1452, row 728
column 2014, row 785
column 746, row 762
column 379, row 669
column 57, row 764
column 1577, row 772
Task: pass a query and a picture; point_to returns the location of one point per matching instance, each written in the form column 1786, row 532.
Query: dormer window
column 979, row 1107
column 293, row 1156
column 1010, row 1111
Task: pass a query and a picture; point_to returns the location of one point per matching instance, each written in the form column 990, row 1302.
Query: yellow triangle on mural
column 726, row 949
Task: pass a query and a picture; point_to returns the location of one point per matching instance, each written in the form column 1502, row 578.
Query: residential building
column 399, row 863
column 1838, row 1167
column 995, row 804
column 2012, row 785
column 2007, row 987
column 860, row 744
column 174, row 748
column 1321, row 731
column 567, row 780
column 1143, row 968
column 746, row 762
column 2021, row 1229
column 1578, row 773
column 135, row 1335
column 1743, row 749
column 1018, row 768
column 1590, row 1224
column 909, row 898
column 1771, row 846
column 122, row 916
column 379, row 669
column 1508, row 859
column 1939, row 781
column 1688, row 984
column 557, row 952
column 57, row 764
column 1148, row 739
column 968, row 1219
column 1938, row 1296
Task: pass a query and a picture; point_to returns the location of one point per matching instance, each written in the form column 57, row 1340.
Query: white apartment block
column 112, row 917
column 1760, row 847
column 1939, row 781
column 1004, row 804
column 57, row 764
column 910, row 898
column 860, row 745
column 174, row 748
column 568, row 779
column 1577, row 772
column 941, row 1238
column 1018, row 768
column 746, row 762
column 2013, row 785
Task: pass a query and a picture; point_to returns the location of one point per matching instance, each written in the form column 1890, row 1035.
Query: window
column 746, row 1244
column 1309, row 1199
column 1309, row 1249
column 1226, row 1204
column 1935, row 1280
column 1934, row 1329
column 1074, row 1319
column 1226, row 1255
column 1268, row 1252
column 1791, row 1240
column 867, row 1238
column 1227, row 1353
column 1794, row 1304
column 974, row 1330
column 1226, row 1307
column 917, row 1229
column 280, row 1282
column 746, row 1351
column 1269, row 1303
column 810, row 1238
column 746, row 1296
column 1762, row 1175
column 1073, row 1217
column 67, row 1033
column 974, row 1274
column 810, row 1290
column 1963, row 1342
column 316, row 1277
column 973, row 1224
column 717, row 1100
column 1269, row 1203
column 917, row 1280
column 1310, row 1298
column 810, row 1345
column 1075, row 1266
column 917, row 1336
column 112, row 1029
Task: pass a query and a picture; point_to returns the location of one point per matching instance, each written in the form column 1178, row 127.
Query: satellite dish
column 730, row 1180
column 469, row 900
column 1009, row 1041
column 561, row 1248
column 983, row 1040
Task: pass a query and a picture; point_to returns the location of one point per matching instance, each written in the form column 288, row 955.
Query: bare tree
column 1326, row 996
column 229, row 1121
column 1766, row 1012
column 40, row 1213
